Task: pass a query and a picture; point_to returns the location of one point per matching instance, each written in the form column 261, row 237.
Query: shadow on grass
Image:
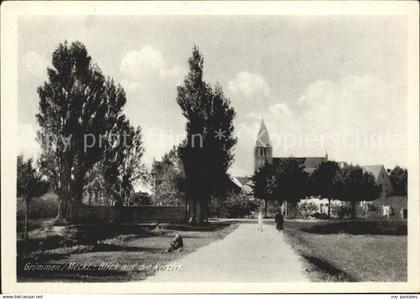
column 318, row 268
column 102, row 247
column 359, row 227
column 325, row 267
column 77, row 235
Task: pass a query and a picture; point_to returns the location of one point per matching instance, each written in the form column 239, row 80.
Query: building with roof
column 263, row 153
column 381, row 178
column 245, row 183
column 386, row 205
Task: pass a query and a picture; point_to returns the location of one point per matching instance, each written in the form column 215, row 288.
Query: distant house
column 381, row 178
column 387, row 205
column 245, row 183
column 235, row 186
column 392, row 207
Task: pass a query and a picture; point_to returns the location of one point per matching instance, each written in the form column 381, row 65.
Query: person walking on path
column 260, row 221
column 279, row 221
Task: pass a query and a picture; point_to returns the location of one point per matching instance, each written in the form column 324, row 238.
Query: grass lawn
column 139, row 247
column 339, row 251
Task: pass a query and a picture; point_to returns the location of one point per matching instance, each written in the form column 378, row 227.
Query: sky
column 322, row 84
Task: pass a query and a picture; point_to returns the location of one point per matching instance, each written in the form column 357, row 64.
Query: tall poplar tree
column 208, row 149
column 78, row 105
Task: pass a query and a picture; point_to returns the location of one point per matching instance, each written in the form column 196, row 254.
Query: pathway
column 245, row 255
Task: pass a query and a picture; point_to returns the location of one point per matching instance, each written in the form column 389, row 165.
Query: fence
column 131, row 214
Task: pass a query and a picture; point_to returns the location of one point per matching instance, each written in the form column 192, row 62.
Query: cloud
column 244, row 149
column 148, row 64
column 158, row 141
column 359, row 119
column 175, row 73
column 280, row 110
column 26, row 141
column 34, row 63
column 130, row 85
column 249, row 85
column 362, row 103
column 276, row 111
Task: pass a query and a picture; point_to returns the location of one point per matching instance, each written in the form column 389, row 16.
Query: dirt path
column 245, row 255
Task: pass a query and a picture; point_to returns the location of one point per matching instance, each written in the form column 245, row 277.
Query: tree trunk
column 62, row 209
column 292, row 209
column 285, row 211
column 211, row 208
column 90, row 198
column 64, row 192
column 25, row 233
column 193, row 207
column 204, row 209
column 353, row 209
column 265, row 208
column 329, row 207
column 77, row 189
column 186, row 211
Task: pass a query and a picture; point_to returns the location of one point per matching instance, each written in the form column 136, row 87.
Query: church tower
column 263, row 151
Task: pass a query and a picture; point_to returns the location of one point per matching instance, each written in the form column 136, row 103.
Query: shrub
column 308, row 209
column 44, row 207
column 140, row 199
column 344, row 211
column 41, row 207
column 238, row 206
column 319, row 215
column 20, row 210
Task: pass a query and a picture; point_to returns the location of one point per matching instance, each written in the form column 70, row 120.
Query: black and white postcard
column 209, row 147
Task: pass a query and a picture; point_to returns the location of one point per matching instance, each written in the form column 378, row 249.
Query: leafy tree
column 357, row 185
column 77, row 107
column 169, row 178
column 265, row 184
column 49, row 162
column 324, row 181
column 398, row 177
column 132, row 169
column 122, row 167
column 219, row 149
column 95, row 186
column 285, row 181
column 207, row 154
column 29, row 185
column 291, row 181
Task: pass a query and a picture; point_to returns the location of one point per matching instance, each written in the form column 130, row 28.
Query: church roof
column 243, row 179
column 374, row 169
column 309, row 163
column 263, row 138
column 236, row 182
column 313, row 162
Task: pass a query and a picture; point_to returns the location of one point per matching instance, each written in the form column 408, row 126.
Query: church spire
column 263, row 138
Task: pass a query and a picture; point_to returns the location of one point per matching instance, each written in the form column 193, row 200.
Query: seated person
column 177, row 244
